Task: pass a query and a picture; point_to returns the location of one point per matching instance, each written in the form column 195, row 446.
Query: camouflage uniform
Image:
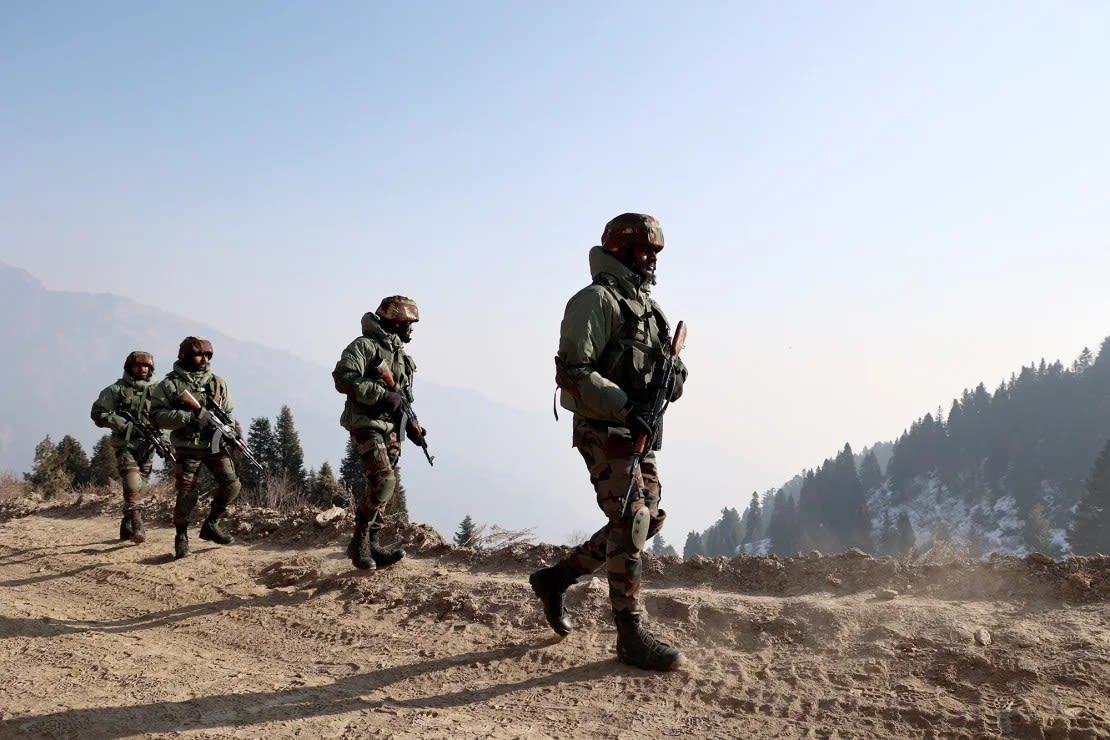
column 612, row 339
column 374, row 423
column 191, row 437
column 134, row 454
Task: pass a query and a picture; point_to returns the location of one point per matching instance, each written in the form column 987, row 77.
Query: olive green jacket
column 126, row 394
column 611, row 340
column 355, row 375
column 170, row 413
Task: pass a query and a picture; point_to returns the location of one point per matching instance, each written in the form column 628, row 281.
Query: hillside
column 278, row 637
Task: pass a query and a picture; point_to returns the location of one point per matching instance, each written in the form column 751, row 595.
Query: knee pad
column 228, row 493
column 133, row 483
column 639, row 527
column 385, row 488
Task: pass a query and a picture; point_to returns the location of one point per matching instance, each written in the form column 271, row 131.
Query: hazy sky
column 867, row 206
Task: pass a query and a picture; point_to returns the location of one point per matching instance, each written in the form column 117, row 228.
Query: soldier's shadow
column 49, row 576
column 167, row 557
column 346, row 694
column 40, row 552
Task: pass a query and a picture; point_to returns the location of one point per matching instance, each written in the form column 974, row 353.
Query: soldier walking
column 121, row 407
column 373, row 415
column 612, row 342
column 192, row 432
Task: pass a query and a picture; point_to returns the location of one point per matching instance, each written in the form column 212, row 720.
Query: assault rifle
column 152, row 435
column 655, row 417
column 225, row 428
column 406, row 406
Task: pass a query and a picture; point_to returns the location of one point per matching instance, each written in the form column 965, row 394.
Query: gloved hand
column 639, row 421
column 416, row 433
column 676, row 389
column 391, row 402
column 203, row 417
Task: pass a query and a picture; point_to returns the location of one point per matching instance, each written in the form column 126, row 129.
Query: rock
column 1036, row 557
column 833, row 580
column 813, row 555
column 982, row 636
column 1080, row 581
column 326, row 517
column 886, row 593
column 855, row 553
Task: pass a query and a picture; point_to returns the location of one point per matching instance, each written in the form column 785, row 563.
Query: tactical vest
column 358, row 415
column 632, row 358
column 137, row 401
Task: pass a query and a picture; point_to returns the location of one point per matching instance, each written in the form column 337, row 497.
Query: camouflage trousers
column 379, row 454
column 223, row 471
column 134, row 475
column 609, row 460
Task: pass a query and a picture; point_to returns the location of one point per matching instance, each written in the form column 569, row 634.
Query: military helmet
column 398, row 308
column 194, row 346
column 630, row 229
column 138, row 357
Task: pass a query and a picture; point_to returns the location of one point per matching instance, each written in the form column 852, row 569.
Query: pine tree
column 464, row 536
column 263, row 443
column 660, row 548
column 694, row 547
column 74, row 460
column 870, row 476
column 311, row 486
column 753, row 532
column 398, row 505
column 887, row 543
column 784, row 528
column 291, row 455
column 845, row 505
column 328, row 490
column 906, row 539
column 102, row 466
column 1090, row 529
column 1038, row 531
column 728, row 533
column 1083, row 362
column 351, row 474
column 48, row 474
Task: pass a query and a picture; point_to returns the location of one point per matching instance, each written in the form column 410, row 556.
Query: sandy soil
column 277, row 636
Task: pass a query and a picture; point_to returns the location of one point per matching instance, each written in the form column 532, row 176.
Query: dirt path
column 100, row 639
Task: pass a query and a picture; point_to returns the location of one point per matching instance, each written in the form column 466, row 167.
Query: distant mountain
column 63, row 347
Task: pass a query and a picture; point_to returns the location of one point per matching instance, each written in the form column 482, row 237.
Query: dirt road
column 279, row 637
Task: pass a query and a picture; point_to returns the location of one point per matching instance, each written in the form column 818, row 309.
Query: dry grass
column 11, row 486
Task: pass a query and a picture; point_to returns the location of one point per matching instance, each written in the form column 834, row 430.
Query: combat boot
column 181, row 542
column 636, row 646
column 383, row 558
column 211, row 531
column 359, row 550
column 551, row 584
column 125, row 528
column 138, row 531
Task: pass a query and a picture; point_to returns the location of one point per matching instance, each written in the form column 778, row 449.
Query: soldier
column 191, row 435
column 130, row 396
column 612, row 337
column 373, row 416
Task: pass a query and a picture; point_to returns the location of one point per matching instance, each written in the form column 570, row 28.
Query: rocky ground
column 277, row 636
